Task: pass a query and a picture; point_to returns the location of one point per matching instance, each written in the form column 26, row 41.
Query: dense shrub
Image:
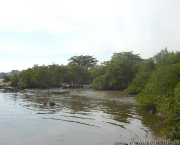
column 161, row 84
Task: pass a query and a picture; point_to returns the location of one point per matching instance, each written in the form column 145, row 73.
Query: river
column 83, row 117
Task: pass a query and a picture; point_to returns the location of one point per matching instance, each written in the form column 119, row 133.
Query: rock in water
column 52, row 104
column 152, row 111
column 45, row 104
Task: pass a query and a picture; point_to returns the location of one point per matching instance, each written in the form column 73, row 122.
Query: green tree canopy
column 43, row 77
column 142, row 77
column 120, row 70
column 161, row 84
column 86, row 61
column 161, row 56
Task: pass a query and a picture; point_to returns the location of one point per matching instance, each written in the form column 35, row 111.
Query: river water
column 83, row 117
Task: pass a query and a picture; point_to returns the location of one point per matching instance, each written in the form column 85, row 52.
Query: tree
column 127, row 55
column 160, row 85
column 79, row 68
column 97, row 71
column 169, row 107
column 161, row 56
column 101, row 82
column 56, row 74
column 26, row 78
column 172, row 115
column 65, row 74
column 172, row 58
column 86, row 61
column 43, row 77
column 14, row 80
column 79, row 75
column 120, row 70
column 142, row 77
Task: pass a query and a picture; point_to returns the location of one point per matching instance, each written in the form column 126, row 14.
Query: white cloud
column 90, row 10
column 86, row 27
column 26, row 16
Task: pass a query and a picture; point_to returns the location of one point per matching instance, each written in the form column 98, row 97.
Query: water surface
column 82, row 117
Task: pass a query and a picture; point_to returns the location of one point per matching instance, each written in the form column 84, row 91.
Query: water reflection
column 109, row 111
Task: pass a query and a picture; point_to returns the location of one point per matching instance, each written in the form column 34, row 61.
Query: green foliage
column 171, row 111
column 172, row 58
column 120, row 71
column 26, row 78
column 127, row 55
column 139, row 82
column 52, row 76
column 14, row 80
column 97, row 71
column 79, row 75
column 83, row 61
column 43, row 77
column 162, row 83
column 164, row 57
column 156, row 80
column 100, row 82
column 161, row 56
column 141, row 79
column 58, row 74
column 147, row 65
column 162, row 90
column 79, row 69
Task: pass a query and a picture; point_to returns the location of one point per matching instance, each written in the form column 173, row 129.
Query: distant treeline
column 156, row 80
column 3, row 74
column 76, row 73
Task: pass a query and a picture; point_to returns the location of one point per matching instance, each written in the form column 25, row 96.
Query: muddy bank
column 8, row 89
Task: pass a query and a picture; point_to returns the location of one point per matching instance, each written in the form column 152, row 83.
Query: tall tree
column 43, row 77
column 86, row 61
column 161, row 56
column 127, row 55
column 120, row 71
column 142, row 77
column 79, row 75
column 161, row 84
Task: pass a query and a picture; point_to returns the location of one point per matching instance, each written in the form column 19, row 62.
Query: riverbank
column 8, row 89
column 35, row 91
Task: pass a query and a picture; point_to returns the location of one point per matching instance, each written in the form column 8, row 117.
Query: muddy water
column 82, row 117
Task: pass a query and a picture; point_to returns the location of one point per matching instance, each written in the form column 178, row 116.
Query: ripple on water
column 102, row 113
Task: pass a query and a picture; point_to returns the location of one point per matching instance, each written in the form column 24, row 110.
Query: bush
column 161, row 84
column 172, row 115
column 14, row 80
column 138, row 82
column 100, row 82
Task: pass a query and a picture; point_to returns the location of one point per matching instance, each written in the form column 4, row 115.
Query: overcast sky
column 51, row 31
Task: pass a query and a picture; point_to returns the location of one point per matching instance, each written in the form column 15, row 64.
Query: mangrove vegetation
column 155, row 80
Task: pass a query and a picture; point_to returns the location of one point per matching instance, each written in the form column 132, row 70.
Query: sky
column 51, row 31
